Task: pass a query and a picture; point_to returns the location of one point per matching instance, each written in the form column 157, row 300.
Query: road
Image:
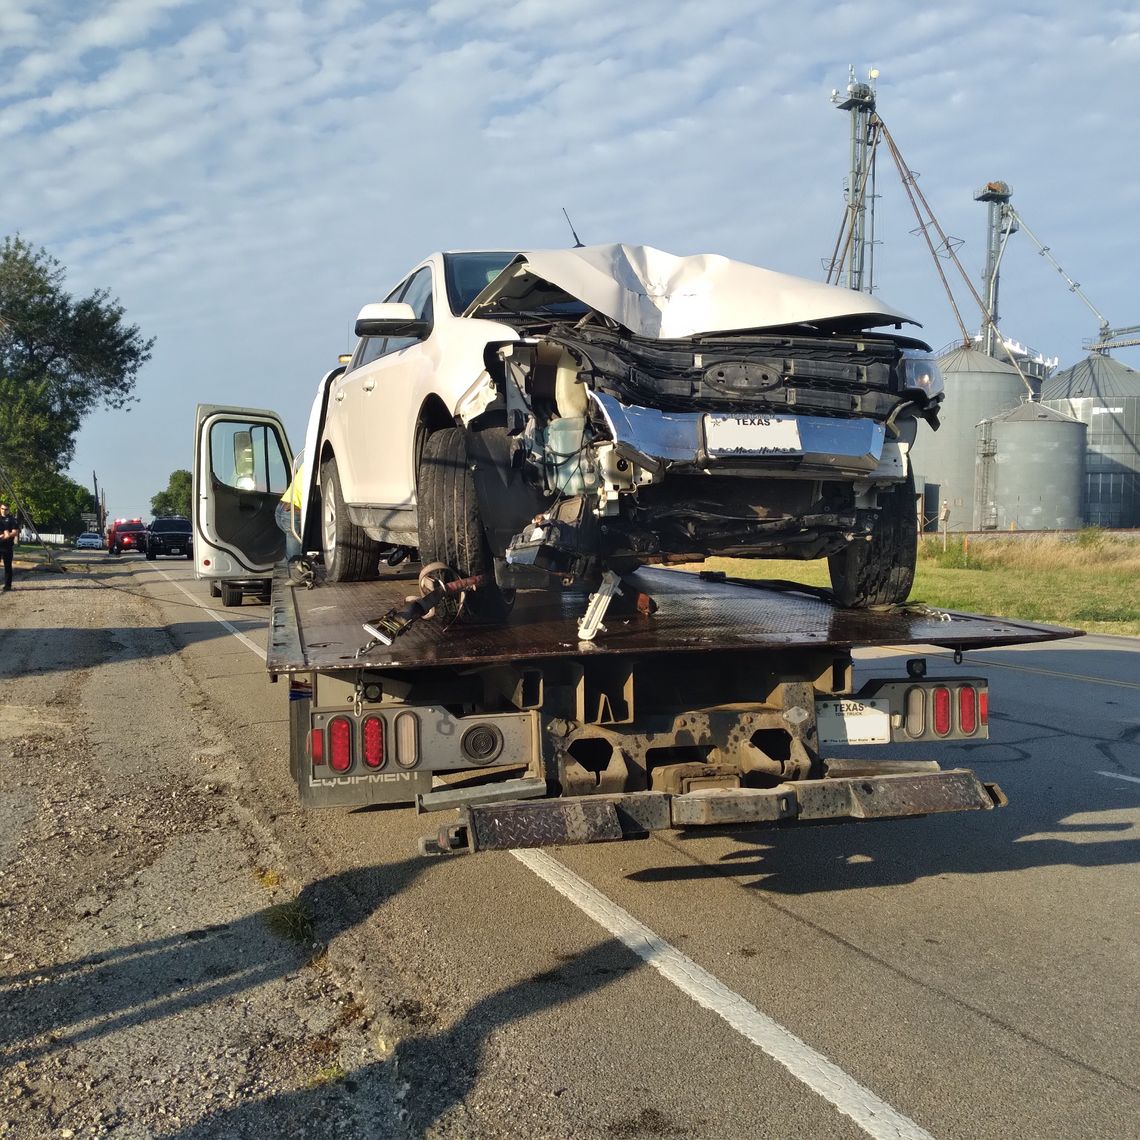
column 960, row 976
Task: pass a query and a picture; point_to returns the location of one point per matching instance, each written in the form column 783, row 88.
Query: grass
column 329, row 1074
column 292, row 921
column 1089, row 580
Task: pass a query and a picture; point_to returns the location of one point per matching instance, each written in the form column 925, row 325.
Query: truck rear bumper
column 633, row 815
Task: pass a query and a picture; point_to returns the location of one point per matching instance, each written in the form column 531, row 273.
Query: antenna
column 577, row 242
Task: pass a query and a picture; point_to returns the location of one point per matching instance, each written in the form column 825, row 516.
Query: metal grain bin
column 1105, row 395
column 1030, row 470
column 978, row 387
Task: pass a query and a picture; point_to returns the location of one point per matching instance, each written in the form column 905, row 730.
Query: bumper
column 826, row 445
column 605, row 818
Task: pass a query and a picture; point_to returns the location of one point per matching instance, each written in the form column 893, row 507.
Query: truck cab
column 242, row 466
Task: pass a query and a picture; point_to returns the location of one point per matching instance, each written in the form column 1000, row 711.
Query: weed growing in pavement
column 327, row 1075
column 291, row 920
column 267, row 877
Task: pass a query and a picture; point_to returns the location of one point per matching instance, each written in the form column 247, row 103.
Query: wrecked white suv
column 542, row 417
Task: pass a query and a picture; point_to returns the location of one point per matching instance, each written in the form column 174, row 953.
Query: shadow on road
column 1039, row 828
column 93, row 997
column 59, row 648
column 441, row 1067
column 96, row 995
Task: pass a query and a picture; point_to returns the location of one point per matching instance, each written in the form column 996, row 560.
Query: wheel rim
column 328, row 527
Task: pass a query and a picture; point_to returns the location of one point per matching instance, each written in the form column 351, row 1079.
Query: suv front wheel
column 880, row 572
column 450, row 528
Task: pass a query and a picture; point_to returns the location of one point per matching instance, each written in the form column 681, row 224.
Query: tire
column 150, row 555
column 215, row 590
column 231, row 594
column 189, row 554
column 350, row 555
column 450, row 528
column 880, row 572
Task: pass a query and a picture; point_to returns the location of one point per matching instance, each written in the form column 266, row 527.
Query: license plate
column 752, row 435
column 176, row 550
column 853, row 722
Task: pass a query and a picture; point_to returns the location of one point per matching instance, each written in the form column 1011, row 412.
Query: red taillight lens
column 967, row 710
column 340, row 744
column 942, row 711
column 372, row 733
column 317, row 746
column 984, row 706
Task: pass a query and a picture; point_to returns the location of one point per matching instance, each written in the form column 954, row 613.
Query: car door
column 242, row 465
column 392, row 385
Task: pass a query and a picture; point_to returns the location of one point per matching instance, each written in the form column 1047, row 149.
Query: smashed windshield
column 468, row 274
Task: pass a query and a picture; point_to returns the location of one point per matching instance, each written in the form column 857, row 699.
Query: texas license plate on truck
column 853, row 722
column 752, row 435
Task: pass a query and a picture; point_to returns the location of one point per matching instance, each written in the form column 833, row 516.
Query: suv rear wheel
column 880, row 572
column 450, row 529
column 350, row 555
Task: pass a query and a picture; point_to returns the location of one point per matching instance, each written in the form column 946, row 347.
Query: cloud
column 245, row 176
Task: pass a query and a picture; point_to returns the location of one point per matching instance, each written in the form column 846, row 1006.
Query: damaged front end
column 767, row 444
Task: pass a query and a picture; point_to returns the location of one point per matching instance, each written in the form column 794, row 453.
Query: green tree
column 61, row 358
column 51, row 503
column 175, row 500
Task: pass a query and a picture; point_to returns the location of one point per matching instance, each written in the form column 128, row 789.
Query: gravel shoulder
column 160, row 974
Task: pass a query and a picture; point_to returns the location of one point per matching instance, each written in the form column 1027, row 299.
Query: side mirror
column 390, row 318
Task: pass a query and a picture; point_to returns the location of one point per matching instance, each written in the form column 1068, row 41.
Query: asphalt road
column 962, row 976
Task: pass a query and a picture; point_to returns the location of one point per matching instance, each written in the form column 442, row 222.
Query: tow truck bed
column 713, row 711
column 322, row 628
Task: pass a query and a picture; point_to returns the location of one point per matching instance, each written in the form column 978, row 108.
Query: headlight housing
column 922, row 374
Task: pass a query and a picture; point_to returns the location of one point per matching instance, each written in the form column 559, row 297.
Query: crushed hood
column 657, row 294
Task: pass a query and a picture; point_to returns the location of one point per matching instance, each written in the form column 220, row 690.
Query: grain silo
column 1030, row 470
column 1105, row 395
column 978, row 387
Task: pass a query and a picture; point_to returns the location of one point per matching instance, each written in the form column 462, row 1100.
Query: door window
column 248, row 457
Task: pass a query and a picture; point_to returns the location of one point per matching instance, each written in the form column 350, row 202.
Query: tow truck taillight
column 407, row 740
column 340, row 744
column 984, row 707
column 372, row 735
column 317, row 745
column 942, row 711
column 967, row 709
column 915, row 712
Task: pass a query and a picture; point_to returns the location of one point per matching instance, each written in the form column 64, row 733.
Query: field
column 1089, row 580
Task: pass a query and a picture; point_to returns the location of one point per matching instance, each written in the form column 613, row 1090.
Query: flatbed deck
column 322, row 628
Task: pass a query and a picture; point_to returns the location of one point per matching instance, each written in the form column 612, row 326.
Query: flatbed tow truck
column 720, row 709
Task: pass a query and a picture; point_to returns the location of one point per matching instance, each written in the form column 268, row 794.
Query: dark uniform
column 9, row 531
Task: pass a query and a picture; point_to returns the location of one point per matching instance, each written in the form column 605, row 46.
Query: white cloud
column 244, row 176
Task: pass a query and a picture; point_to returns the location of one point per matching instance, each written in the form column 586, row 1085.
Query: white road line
column 874, row 1116
column 220, row 620
column 1119, row 776
column 877, row 1118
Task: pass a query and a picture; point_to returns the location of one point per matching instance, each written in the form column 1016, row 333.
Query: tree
column 61, row 358
column 50, row 502
column 175, row 500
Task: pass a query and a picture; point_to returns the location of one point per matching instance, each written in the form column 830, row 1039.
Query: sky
column 244, row 176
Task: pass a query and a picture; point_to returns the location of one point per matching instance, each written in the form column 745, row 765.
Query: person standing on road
column 9, row 532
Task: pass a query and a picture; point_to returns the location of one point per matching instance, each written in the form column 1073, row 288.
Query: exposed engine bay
column 760, row 444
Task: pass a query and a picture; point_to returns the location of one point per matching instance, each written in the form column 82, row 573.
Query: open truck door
column 242, row 466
